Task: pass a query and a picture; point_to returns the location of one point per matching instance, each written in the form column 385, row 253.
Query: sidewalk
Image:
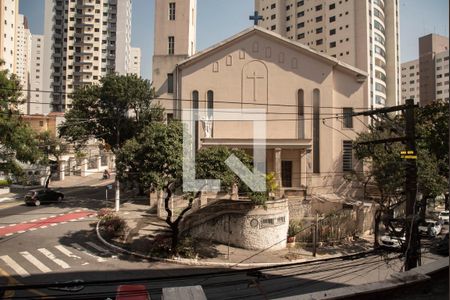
column 144, row 226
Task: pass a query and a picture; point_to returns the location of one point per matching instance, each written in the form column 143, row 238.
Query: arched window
column 316, row 131
column 195, row 116
column 210, row 107
column 210, row 102
column 301, row 113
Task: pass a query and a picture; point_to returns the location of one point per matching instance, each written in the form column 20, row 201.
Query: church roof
column 259, row 30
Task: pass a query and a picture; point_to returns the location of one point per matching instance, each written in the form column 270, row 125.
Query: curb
column 193, row 262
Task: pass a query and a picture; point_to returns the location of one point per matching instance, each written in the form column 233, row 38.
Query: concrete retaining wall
column 241, row 224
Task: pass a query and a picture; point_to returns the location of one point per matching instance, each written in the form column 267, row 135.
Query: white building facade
column 23, row 59
column 38, row 95
column 9, row 10
column 362, row 33
column 135, row 67
column 410, row 81
column 85, row 40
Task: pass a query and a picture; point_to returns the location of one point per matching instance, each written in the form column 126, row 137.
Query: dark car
column 36, row 197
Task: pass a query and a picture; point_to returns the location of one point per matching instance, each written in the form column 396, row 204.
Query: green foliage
column 271, row 182
column 210, row 164
column 154, row 157
column 118, row 104
column 258, row 198
column 294, row 228
column 4, row 182
column 17, row 139
column 388, row 169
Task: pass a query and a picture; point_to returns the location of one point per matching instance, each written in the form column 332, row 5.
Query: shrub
column 113, row 225
column 294, row 228
column 104, row 212
column 259, row 198
column 4, row 182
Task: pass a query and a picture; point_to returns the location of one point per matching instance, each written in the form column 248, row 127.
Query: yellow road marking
column 13, row 281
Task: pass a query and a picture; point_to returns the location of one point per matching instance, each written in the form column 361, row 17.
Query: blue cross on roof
column 256, row 17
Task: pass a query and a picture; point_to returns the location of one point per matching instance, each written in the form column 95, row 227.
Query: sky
column 220, row 19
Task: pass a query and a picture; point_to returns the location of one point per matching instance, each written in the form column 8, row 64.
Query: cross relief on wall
column 254, row 83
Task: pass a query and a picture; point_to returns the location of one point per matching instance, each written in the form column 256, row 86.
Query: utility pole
column 410, row 156
column 412, row 234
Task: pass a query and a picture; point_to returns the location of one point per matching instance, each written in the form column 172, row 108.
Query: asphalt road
column 68, row 249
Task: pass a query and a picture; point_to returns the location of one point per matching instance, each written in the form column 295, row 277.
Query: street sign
column 408, row 154
column 109, row 187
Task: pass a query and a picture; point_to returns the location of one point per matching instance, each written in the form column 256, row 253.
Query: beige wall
column 285, row 68
column 9, row 14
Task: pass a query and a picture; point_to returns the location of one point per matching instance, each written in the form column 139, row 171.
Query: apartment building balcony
column 83, row 63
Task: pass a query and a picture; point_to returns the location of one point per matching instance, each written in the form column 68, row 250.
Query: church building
column 308, row 98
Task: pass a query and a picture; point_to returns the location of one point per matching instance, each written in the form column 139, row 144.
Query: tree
column 115, row 110
column 154, row 159
column 210, row 163
column 53, row 147
column 387, row 169
column 17, row 139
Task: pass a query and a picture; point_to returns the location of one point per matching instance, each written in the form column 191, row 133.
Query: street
column 57, row 243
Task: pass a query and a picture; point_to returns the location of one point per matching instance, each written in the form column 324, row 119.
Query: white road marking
column 45, row 226
column 63, row 223
column 43, row 268
column 53, row 224
column 10, row 225
column 2, row 227
column 9, row 234
column 53, row 258
column 43, row 218
column 32, row 229
column 21, row 231
column 67, row 252
column 97, row 247
column 15, row 266
column 79, row 248
column 32, row 221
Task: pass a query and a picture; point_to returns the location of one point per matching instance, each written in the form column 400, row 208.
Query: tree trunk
column 376, row 230
column 174, row 246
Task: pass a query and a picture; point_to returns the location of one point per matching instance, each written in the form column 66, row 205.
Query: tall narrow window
column 347, row 156
column 210, row 102
column 210, row 107
column 348, row 117
column 172, row 11
column 170, row 83
column 301, row 113
column 195, row 115
column 316, row 131
column 171, row 45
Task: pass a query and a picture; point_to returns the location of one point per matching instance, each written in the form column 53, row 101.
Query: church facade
column 307, row 98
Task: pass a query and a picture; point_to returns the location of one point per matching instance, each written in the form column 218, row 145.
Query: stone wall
column 241, row 224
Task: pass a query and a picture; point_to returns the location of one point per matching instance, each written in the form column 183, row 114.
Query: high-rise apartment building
column 362, row 33
column 410, row 81
column 426, row 79
column 135, row 61
column 23, row 58
column 429, row 46
column 174, row 41
column 85, row 40
column 39, row 99
column 9, row 11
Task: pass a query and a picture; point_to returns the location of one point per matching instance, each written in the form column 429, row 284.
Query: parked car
column 430, row 227
column 444, row 215
column 37, row 197
column 132, row 292
column 392, row 241
column 442, row 246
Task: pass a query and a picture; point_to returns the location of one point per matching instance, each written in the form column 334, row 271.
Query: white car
column 391, row 241
column 443, row 215
column 430, row 228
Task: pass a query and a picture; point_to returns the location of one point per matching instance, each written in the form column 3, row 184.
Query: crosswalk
column 54, row 259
